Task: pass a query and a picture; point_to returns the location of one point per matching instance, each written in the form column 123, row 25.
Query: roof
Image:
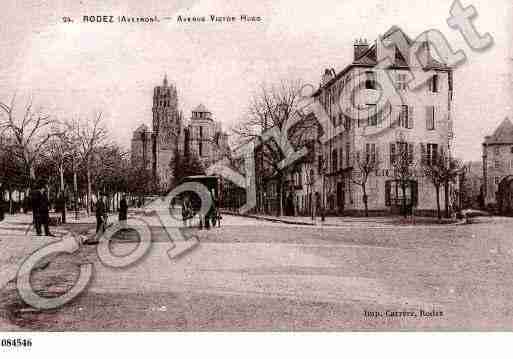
column 369, row 59
column 200, row 108
column 502, row 135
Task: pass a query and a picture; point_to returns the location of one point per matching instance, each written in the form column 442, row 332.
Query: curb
column 279, row 220
column 268, row 219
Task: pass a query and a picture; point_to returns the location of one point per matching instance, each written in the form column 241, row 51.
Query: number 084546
column 16, row 342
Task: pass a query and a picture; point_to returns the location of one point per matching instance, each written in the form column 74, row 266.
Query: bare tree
column 88, row 137
column 270, row 109
column 367, row 161
column 441, row 169
column 403, row 171
column 29, row 131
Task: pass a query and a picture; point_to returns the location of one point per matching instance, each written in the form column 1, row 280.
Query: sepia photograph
column 235, row 166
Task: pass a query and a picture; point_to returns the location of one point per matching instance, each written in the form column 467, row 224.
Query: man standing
column 44, row 212
column 100, row 216
column 123, row 210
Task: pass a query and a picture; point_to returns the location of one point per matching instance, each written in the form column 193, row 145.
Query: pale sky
column 75, row 69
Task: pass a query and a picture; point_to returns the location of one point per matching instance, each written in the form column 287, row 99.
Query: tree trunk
column 438, row 210
column 10, row 201
column 365, row 200
column 403, row 189
column 446, row 195
column 88, row 204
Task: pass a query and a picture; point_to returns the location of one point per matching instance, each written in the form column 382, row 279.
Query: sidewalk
column 343, row 221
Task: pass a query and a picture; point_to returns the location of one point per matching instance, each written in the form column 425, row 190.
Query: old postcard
column 255, row 166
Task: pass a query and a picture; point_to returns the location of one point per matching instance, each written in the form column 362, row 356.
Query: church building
column 156, row 149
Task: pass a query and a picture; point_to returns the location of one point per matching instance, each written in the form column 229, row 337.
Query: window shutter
column 423, row 153
column 410, row 117
column 387, row 193
column 434, row 116
column 427, row 117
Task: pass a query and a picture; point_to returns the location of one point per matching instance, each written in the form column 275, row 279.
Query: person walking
column 44, row 213
column 100, row 216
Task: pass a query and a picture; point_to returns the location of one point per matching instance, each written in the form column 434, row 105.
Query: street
column 256, row 275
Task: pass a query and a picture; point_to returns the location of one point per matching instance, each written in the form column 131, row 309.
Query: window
column 497, row 180
column 370, row 153
column 497, row 151
column 348, row 158
column 433, row 84
column 372, row 115
column 370, row 80
column 341, row 157
column 431, row 153
column 402, row 149
column 319, row 164
column 201, row 132
column 430, row 117
column 402, row 80
column 497, row 164
column 404, row 117
column 392, row 153
column 201, row 148
column 394, row 195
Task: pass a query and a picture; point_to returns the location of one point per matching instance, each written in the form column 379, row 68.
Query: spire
column 165, row 80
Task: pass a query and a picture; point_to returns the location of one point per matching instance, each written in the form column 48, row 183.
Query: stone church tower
column 168, row 134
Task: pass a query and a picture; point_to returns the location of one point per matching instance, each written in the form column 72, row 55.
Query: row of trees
column 441, row 170
column 75, row 157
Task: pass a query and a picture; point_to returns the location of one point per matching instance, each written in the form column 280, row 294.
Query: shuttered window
column 430, row 117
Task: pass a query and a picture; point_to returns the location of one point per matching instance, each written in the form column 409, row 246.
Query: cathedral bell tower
column 167, row 129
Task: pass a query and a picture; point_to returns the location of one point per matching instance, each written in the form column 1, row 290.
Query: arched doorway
column 504, row 196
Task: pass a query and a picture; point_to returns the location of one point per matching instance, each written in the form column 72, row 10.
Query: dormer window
column 370, row 80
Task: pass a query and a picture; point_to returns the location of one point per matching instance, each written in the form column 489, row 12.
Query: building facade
column 498, row 167
column 414, row 122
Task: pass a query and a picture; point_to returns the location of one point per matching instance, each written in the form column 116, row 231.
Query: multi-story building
column 498, row 164
column 415, row 123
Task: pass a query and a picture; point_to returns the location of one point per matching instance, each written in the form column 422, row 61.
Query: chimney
column 360, row 46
